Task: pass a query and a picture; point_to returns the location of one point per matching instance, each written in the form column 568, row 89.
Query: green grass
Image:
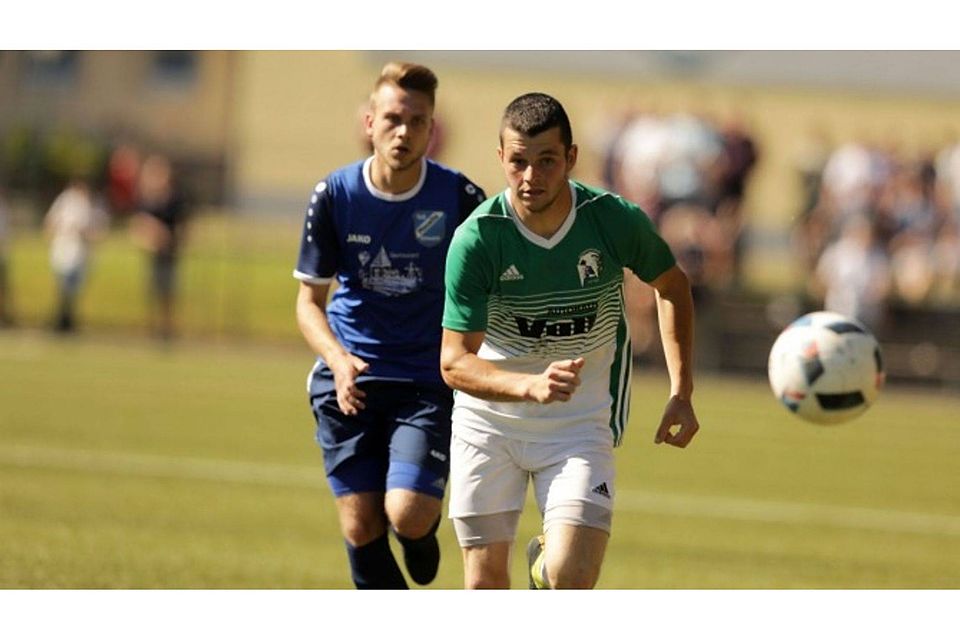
column 124, row 464
column 235, row 279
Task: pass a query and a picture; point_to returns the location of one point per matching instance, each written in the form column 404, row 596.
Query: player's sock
column 373, row 566
column 422, row 555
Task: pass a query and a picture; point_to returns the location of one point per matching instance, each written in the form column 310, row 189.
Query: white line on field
column 661, row 503
column 788, row 512
column 155, row 466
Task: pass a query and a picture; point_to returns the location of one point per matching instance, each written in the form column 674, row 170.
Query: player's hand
column 677, row 412
column 349, row 395
column 557, row 382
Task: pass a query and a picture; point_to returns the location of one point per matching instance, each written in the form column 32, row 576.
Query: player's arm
column 464, row 370
column 675, row 313
column 312, row 319
column 318, row 263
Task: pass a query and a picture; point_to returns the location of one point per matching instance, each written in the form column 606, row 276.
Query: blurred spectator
column 690, row 176
column 947, row 195
column 691, row 169
column 6, row 307
column 75, row 220
column 158, row 227
column 910, row 204
column 810, row 159
column 947, row 171
column 853, row 274
column 123, row 169
column 662, row 161
column 637, row 158
column 692, row 233
column 740, row 156
column 905, row 211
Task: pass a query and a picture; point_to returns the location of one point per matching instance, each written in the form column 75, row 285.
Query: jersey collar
column 540, row 241
column 394, row 197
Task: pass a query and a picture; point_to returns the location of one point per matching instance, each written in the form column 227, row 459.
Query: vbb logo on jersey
column 589, row 266
column 429, row 227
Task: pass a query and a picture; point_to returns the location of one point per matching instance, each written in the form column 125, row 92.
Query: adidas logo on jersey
column 601, row 489
column 512, row 273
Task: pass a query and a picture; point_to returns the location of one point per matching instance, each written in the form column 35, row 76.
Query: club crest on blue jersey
column 429, row 227
column 589, row 266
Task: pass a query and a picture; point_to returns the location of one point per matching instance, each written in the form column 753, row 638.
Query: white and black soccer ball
column 826, row 368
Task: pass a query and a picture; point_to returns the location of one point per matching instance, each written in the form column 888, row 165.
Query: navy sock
column 422, row 555
column 373, row 566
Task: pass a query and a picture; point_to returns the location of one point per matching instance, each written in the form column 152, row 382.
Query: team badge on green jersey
column 589, row 265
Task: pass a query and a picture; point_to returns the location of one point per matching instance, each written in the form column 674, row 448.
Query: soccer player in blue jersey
column 382, row 227
column 536, row 342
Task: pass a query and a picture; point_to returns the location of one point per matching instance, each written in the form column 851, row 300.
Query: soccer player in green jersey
column 536, row 345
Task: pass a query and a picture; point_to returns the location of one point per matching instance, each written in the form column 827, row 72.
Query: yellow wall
column 297, row 119
column 113, row 92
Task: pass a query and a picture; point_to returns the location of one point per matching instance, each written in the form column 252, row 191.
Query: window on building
column 174, row 68
column 50, row 68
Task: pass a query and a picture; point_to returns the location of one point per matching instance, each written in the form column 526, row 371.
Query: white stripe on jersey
column 305, row 277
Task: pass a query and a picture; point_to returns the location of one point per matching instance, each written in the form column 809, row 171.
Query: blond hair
column 408, row 76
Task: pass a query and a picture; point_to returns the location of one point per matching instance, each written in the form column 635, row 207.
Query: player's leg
column 487, row 492
column 355, row 460
column 417, row 475
column 489, row 539
column 364, row 527
column 69, row 287
column 414, row 518
column 575, row 493
column 573, row 555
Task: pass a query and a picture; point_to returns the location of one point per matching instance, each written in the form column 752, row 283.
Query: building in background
column 253, row 128
column 63, row 112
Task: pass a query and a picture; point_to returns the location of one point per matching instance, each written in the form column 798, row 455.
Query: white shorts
column 489, row 475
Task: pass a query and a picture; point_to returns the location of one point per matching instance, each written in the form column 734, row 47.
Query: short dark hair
column 409, row 76
column 533, row 113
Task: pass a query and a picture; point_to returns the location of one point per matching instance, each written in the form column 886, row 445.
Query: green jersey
column 539, row 300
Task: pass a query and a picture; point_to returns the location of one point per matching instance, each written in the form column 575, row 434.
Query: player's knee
column 412, row 518
column 491, row 579
column 573, row 576
column 414, row 526
column 359, row 532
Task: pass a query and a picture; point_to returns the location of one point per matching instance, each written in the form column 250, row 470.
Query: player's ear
column 368, row 114
column 572, row 157
column 500, row 153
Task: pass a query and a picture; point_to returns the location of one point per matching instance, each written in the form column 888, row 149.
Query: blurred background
column 154, row 431
column 785, row 181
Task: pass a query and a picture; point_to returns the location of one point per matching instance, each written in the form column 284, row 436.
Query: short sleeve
column 471, row 196
column 643, row 250
column 468, row 282
column 319, row 248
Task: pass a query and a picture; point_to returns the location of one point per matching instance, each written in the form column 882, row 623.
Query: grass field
column 235, row 280
column 126, row 464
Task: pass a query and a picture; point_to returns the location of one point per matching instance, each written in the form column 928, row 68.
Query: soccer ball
column 826, row 368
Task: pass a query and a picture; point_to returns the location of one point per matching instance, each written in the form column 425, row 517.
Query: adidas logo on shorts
column 601, row 489
column 512, row 273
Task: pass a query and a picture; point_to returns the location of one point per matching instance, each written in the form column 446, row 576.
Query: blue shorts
column 401, row 440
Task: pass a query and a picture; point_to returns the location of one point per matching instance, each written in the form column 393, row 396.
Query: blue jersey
column 388, row 252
